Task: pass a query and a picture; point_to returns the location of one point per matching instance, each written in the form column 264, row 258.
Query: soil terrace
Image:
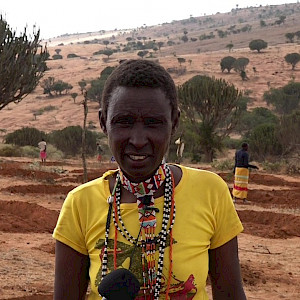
column 270, row 220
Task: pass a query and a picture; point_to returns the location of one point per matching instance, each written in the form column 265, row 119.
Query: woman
column 167, row 224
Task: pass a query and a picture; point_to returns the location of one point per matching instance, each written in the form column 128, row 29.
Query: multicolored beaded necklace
column 146, row 238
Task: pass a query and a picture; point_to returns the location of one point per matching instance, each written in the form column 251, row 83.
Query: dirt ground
column 31, row 196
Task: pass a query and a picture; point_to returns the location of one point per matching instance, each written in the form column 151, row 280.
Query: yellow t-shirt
column 205, row 219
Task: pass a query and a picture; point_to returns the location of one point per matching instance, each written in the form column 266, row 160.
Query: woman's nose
column 138, row 135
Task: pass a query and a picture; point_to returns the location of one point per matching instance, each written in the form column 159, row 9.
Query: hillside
column 203, row 56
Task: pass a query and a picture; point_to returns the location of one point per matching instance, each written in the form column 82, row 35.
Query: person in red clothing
column 43, row 150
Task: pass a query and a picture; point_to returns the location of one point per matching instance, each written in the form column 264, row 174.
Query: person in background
column 169, row 225
column 43, row 150
column 241, row 174
column 99, row 152
column 180, row 147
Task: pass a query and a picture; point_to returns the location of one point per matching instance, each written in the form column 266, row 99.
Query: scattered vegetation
column 211, row 108
column 258, row 45
column 227, row 63
column 286, row 99
column 293, row 59
column 51, row 85
column 95, row 91
column 22, row 64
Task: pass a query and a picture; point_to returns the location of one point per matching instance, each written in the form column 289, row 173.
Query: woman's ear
column 175, row 121
column 102, row 121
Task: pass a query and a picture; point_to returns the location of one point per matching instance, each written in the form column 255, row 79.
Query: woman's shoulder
column 99, row 183
column 201, row 177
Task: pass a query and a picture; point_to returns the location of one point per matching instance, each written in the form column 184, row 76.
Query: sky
column 58, row 17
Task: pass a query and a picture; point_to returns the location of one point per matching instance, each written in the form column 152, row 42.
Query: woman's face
column 139, row 126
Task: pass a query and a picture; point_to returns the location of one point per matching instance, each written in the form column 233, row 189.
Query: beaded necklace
column 146, row 238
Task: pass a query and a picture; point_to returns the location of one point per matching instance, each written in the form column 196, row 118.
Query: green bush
column 231, row 143
column 97, row 85
column 257, row 116
column 9, row 150
column 69, row 140
column 30, row 151
column 54, row 153
column 258, row 45
column 72, row 55
column 223, row 165
column 264, row 142
column 227, row 63
column 40, row 111
column 273, row 167
column 57, row 56
column 25, row 136
column 293, row 167
column 285, row 99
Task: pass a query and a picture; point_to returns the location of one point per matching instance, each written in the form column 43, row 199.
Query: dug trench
column 23, row 219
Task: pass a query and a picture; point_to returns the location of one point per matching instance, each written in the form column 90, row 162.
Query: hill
column 205, row 43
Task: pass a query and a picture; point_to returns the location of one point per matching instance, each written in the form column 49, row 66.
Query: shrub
column 227, row 63
column 97, row 85
column 240, row 64
column 31, row 151
column 273, row 167
column 285, row 99
column 69, row 140
column 25, row 136
column 264, row 142
column 47, row 108
column 231, row 143
column 293, row 167
column 293, row 59
column 258, row 45
column 57, row 56
column 223, row 165
column 54, row 153
column 9, row 150
column 72, row 55
column 257, row 116
column 181, row 60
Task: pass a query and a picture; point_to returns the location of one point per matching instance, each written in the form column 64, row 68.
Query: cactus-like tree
column 22, row 64
column 211, row 107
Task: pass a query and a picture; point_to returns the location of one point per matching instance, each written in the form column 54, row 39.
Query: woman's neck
column 128, row 197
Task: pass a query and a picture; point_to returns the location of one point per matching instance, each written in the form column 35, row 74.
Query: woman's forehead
column 140, row 97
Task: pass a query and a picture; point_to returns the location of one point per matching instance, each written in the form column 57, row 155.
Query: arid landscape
column 31, row 194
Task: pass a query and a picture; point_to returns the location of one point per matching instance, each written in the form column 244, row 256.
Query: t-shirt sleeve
column 70, row 227
column 227, row 222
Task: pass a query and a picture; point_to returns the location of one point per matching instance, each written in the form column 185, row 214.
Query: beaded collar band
column 144, row 192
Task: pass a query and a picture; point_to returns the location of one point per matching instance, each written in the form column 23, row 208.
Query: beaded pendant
column 146, row 239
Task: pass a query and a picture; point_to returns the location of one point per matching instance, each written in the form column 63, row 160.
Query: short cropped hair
column 139, row 73
column 244, row 145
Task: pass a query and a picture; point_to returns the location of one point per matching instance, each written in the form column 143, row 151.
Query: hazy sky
column 57, row 17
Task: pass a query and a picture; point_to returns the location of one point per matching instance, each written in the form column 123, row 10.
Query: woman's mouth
column 137, row 157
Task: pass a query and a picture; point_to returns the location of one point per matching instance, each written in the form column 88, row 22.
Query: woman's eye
column 125, row 121
column 152, row 121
